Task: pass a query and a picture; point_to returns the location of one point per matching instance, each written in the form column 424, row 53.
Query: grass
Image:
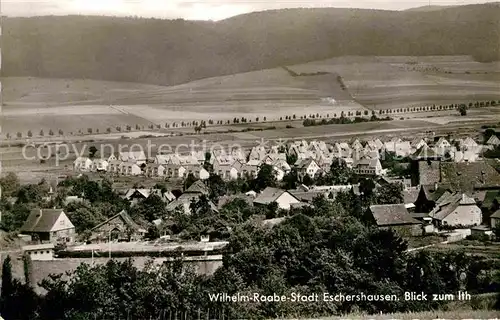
column 385, row 82
column 375, row 82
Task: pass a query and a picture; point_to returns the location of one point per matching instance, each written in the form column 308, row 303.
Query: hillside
column 168, row 52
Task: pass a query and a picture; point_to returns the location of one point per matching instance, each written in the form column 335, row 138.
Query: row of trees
column 199, row 125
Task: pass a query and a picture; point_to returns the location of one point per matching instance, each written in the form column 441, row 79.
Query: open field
column 395, row 82
column 375, row 82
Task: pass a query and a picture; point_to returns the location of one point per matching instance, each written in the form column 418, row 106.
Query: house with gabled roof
column 468, row 144
column 307, row 167
column 49, row 225
column 493, row 141
column 495, row 219
column 175, row 171
column 99, row 165
column 368, row 167
column 395, row 217
column 137, row 157
column 283, row 198
column 198, row 187
column 428, row 196
column 456, row 209
column 120, row 227
column 442, row 143
column 418, row 143
column 154, row 170
column 82, row 164
column 356, row 145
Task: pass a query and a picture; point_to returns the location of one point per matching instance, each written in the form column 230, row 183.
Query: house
column 82, row 164
column 468, row 144
column 493, row 141
column 40, row 252
column 249, row 170
column 137, row 157
column 428, row 196
column 257, row 153
column 49, row 225
column 154, row 170
column 269, row 195
column 418, row 143
column 175, row 171
column 198, row 187
column 279, row 173
column 456, row 209
column 135, row 195
column 465, row 156
column 99, row 165
column 119, row 227
column 467, row 176
column 197, row 171
column 395, row 217
column 442, row 143
column 114, row 166
column 495, row 219
column 130, row 169
column 371, row 167
column 307, row 167
column 356, row 145
column 270, row 158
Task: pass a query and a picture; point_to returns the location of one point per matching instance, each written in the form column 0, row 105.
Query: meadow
column 371, row 83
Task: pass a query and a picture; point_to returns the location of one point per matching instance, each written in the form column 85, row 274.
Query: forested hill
column 175, row 51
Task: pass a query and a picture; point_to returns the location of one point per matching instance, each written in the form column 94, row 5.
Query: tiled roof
column 469, row 175
column 496, row 214
column 198, row 187
column 125, row 217
column 269, row 195
column 392, row 214
column 41, row 220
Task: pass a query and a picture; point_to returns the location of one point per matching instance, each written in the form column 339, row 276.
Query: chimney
column 435, row 186
column 463, row 197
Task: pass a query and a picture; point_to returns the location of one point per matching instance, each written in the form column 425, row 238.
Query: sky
column 196, row 10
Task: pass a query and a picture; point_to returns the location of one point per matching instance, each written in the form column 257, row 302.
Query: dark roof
column 198, row 187
column 392, row 214
column 269, row 195
column 227, row 199
column 466, row 176
column 496, row 214
column 433, row 194
column 306, row 196
column 125, row 217
column 41, row 220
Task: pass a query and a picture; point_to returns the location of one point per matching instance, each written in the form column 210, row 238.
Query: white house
column 82, row 164
column 130, row 169
column 371, row 167
column 100, row 165
column 456, row 210
column 137, row 157
column 443, row 143
column 174, row 171
column 40, row 252
column 493, row 141
column 283, row 198
column 154, row 170
column 307, row 167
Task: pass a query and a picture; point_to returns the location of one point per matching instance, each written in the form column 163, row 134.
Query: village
column 443, row 188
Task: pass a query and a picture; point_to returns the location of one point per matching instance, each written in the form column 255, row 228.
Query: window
column 47, row 252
